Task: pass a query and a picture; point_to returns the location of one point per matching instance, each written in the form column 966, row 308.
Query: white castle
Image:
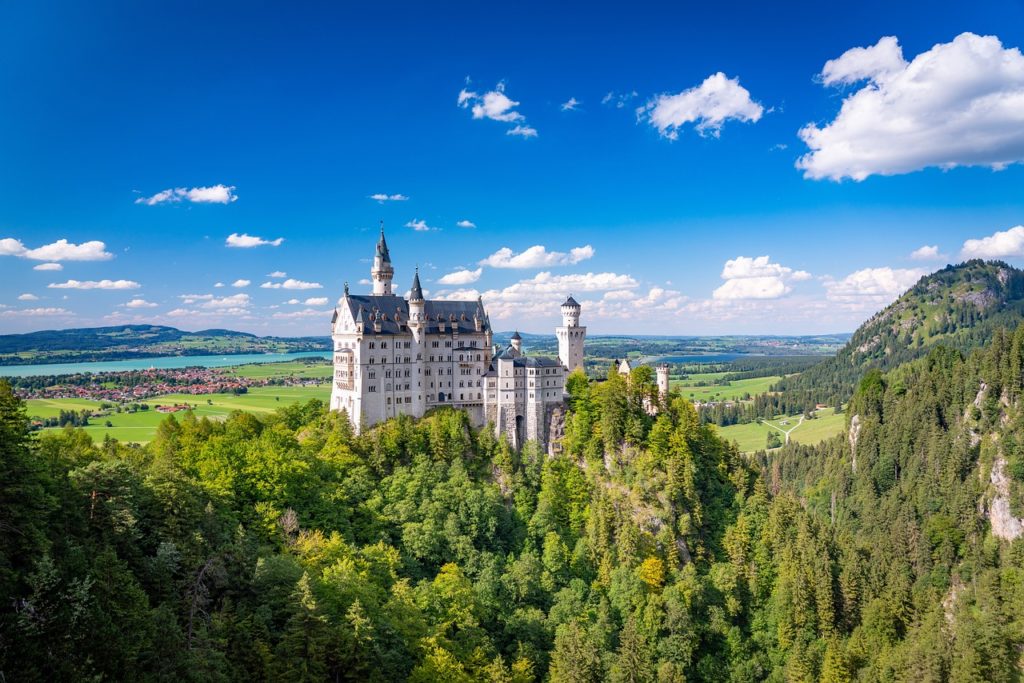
column 396, row 356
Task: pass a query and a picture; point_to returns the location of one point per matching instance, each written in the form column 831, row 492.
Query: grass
column 753, row 436
column 721, row 392
column 285, row 369
column 140, row 427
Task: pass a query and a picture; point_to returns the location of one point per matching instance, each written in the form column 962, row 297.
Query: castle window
column 434, row 344
column 372, row 388
column 373, row 345
column 383, row 345
column 448, row 345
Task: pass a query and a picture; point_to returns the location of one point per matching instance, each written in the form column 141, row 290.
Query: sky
column 679, row 168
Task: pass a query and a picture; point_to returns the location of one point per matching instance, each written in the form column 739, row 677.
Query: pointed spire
column 346, row 287
column 417, row 292
column 382, row 245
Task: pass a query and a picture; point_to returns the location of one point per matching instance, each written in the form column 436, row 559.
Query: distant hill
column 139, row 341
column 959, row 307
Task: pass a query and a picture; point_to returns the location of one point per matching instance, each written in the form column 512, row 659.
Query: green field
column 285, row 369
column 140, row 427
column 753, row 436
column 720, row 392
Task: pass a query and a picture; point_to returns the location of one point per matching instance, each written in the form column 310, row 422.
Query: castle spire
column 416, row 293
column 382, row 272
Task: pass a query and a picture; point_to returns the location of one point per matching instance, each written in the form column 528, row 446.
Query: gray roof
column 454, row 314
column 382, row 246
column 416, row 293
column 523, row 362
column 571, row 302
column 515, row 335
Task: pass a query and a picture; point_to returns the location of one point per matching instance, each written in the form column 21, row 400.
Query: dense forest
column 647, row 549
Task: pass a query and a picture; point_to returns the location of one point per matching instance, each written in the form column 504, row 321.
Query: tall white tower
column 382, row 272
column 571, row 336
column 662, row 371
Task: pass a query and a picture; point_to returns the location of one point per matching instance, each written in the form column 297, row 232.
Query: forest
column 646, row 549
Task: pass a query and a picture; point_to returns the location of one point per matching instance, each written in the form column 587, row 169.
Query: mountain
column 959, row 307
column 139, row 341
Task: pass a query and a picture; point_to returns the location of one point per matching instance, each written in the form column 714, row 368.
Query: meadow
column 139, row 427
column 753, row 436
column 689, row 388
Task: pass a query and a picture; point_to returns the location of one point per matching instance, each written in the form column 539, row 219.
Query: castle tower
column 382, row 272
column 417, row 305
column 571, row 336
column 662, row 371
column 517, row 343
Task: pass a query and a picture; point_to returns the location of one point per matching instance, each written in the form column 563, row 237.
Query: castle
column 397, row 356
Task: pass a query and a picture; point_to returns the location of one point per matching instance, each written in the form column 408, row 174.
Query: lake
column 161, row 363
column 697, row 358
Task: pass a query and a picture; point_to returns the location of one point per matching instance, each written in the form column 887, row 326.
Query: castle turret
column 517, row 342
column 571, row 336
column 382, row 272
column 662, row 371
column 417, row 305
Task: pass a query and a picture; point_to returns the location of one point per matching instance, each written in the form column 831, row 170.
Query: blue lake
column 697, row 358
column 162, row 363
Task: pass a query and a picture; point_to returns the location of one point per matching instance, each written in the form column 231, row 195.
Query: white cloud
column 180, row 313
column 618, row 100
column 215, row 194
column 522, row 297
column 756, row 278
column 218, row 284
column 708, row 105
column 466, row 224
column 496, row 106
column 28, row 297
column 231, row 304
column 958, row 104
column 537, row 256
column 927, row 253
column 36, row 312
column 277, row 273
column 461, row 277
column 419, row 225
column 865, row 63
column 48, row 266
column 366, row 281
column 138, row 303
column 192, row 298
column 1000, row 244
column 311, row 301
column 241, row 283
column 871, row 287
column 523, row 131
column 571, row 104
column 305, row 313
column 383, row 197
column 95, row 284
column 61, row 250
column 291, row 283
column 245, row 241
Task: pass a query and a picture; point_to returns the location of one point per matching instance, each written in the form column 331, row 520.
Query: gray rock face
column 1004, row 524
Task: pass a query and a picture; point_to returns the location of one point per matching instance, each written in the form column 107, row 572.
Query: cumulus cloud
column 419, row 225
column 95, row 284
column 871, row 287
column 277, row 273
column 708, row 105
column 927, row 253
column 958, row 104
column 618, row 99
column 245, row 241
column 36, row 312
column 756, row 278
column 1000, row 244
column 305, row 313
column 218, row 284
column 461, row 277
column 522, row 131
column 384, row 197
column 311, row 301
column 571, row 104
column 537, row 256
column 61, row 250
column 522, row 297
column 235, row 301
column 291, row 283
column 192, row 298
column 28, row 297
column 241, row 283
column 496, row 106
column 138, row 303
column 466, row 224
column 48, row 266
column 215, row 194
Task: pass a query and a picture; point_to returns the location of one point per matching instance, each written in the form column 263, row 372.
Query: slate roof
column 453, row 313
column 571, row 302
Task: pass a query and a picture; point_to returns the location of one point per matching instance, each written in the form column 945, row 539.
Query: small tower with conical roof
column 517, row 343
column 382, row 273
column 417, row 304
column 663, row 384
column 571, row 335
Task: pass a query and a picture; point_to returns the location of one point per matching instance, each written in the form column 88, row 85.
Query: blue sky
column 682, row 211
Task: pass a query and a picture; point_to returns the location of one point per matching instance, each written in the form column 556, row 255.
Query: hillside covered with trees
column 288, row 548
